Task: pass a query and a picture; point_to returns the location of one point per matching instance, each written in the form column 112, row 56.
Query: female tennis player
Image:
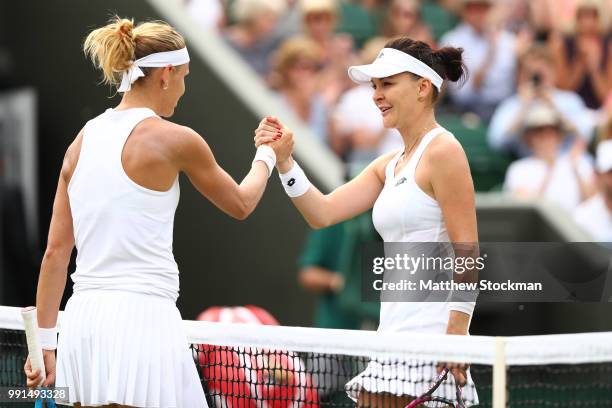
column 421, row 193
column 122, row 340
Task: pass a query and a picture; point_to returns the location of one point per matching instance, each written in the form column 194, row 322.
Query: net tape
column 520, row 350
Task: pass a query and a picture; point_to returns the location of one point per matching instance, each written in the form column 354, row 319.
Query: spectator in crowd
column 319, row 20
column 490, row 57
column 297, row 65
column 290, row 23
column 536, row 84
column 330, row 267
column 564, row 178
column 251, row 36
column 440, row 16
column 319, row 274
column 584, row 60
column 595, row 214
column 209, row 14
column 358, row 123
column 404, row 19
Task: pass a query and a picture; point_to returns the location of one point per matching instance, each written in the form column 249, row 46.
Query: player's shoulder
column 158, row 125
column 379, row 165
column 170, row 133
column 444, row 146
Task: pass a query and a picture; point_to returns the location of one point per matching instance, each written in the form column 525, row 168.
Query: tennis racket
column 35, row 351
column 429, row 397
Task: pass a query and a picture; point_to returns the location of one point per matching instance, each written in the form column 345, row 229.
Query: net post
column 499, row 373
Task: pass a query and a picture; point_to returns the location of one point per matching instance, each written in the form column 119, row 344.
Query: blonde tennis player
column 121, row 339
column 421, row 193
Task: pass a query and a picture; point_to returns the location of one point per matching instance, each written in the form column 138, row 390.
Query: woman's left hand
column 279, row 137
column 33, row 377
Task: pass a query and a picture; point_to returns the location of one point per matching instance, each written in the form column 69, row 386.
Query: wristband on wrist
column 48, row 338
column 295, row 181
column 265, row 154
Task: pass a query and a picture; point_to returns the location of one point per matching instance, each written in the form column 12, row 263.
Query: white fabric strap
column 391, row 62
column 465, row 307
column 265, row 154
column 48, row 338
column 295, row 181
column 157, row 60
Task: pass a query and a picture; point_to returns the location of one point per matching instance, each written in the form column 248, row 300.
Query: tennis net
column 283, row 367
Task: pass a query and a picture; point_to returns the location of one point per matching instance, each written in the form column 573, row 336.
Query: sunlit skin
column 405, row 103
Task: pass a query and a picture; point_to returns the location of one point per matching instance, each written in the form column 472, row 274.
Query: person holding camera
column 560, row 176
column 536, row 84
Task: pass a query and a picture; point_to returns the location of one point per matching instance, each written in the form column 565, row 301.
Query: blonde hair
column 245, row 11
column 294, row 49
column 114, row 47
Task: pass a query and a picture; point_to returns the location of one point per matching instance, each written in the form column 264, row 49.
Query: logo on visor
column 380, row 55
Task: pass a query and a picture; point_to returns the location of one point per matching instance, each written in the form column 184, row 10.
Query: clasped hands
column 273, row 133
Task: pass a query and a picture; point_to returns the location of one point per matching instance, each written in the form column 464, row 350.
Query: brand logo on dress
column 401, row 181
column 291, row 182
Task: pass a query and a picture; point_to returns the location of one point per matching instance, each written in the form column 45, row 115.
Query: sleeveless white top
column 403, row 212
column 123, row 231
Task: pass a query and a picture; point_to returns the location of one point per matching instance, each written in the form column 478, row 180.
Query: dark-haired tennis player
column 421, row 193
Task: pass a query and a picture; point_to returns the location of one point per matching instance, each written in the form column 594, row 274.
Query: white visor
column 391, row 62
column 156, row 60
column 604, row 156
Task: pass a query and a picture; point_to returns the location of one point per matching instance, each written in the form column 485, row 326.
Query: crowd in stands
column 540, row 80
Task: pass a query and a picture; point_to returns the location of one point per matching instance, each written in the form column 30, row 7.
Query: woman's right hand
column 273, row 133
column 34, row 378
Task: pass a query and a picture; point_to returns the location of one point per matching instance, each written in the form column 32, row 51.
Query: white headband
column 158, row 59
column 390, row 62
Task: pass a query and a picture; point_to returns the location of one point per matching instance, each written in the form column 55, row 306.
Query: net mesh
column 277, row 367
column 253, row 377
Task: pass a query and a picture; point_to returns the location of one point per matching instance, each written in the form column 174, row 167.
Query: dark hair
column 447, row 61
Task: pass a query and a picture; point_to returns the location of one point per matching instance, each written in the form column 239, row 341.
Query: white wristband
column 295, row 181
column 266, row 154
column 48, row 338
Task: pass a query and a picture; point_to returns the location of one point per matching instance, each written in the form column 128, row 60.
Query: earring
column 165, row 86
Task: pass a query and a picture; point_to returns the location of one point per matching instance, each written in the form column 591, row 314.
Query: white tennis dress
column 403, row 212
column 121, row 337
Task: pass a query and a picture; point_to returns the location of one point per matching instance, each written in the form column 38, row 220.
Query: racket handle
column 35, row 351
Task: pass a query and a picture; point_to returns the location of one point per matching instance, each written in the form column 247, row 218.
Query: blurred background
column 534, row 116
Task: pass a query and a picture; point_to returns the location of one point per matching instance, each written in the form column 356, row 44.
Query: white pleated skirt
column 126, row 348
column 407, row 378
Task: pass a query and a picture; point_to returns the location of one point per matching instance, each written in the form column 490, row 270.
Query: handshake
column 271, row 132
